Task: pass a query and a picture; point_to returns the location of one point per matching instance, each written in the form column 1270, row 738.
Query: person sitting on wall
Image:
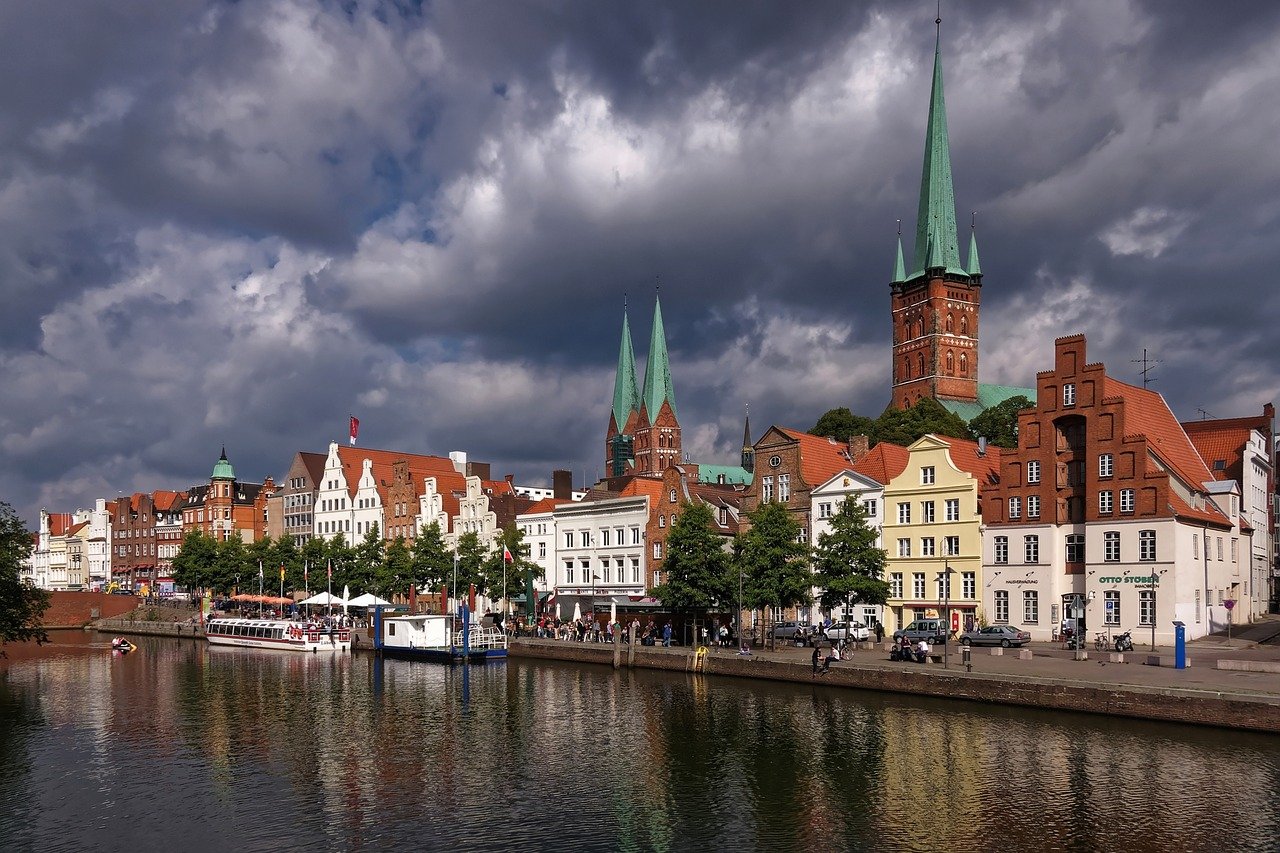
column 834, row 657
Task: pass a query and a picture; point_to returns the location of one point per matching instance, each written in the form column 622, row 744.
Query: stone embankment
column 78, row 609
column 149, row 628
column 1104, row 693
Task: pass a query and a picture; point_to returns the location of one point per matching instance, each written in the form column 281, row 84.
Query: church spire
column 657, row 370
column 626, row 398
column 748, row 450
column 974, row 269
column 899, row 268
column 936, row 216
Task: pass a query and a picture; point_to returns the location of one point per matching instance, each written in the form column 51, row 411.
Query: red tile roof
column 964, row 453
column 1222, row 440
column 642, row 486
column 74, row 529
column 546, row 505
column 820, row 458
column 884, row 462
column 59, row 523
column 164, row 500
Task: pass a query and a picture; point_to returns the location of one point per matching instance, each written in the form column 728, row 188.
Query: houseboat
column 278, row 634
column 440, row 638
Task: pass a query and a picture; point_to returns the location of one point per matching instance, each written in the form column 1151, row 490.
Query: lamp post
column 946, row 592
column 453, row 588
column 738, row 622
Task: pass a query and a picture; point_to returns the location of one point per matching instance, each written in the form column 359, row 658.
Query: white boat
column 438, row 638
column 277, row 634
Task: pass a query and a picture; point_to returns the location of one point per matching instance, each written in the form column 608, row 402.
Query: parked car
column 932, row 630
column 995, row 635
column 796, row 631
column 855, row 631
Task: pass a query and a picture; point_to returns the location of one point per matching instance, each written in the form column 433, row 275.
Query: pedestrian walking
column 879, row 631
column 666, row 636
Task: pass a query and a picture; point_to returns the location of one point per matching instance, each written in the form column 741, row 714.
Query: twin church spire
column 644, row 433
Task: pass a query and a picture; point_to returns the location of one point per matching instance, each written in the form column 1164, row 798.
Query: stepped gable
column 883, row 462
column 421, row 466
column 820, row 458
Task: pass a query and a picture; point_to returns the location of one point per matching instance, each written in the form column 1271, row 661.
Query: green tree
column 498, row 572
column 774, row 562
column 22, row 605
column 999, row 424
column 367, row 568
column 696, row 568
column 432, row 565
column 233, row 567
column 195, row 564
column 285, row 552
column 848, row 565
column 903, row 426
column 315, row 556
column 341, row 556
column 397, row 569
column 471, row 555
column 841, row 423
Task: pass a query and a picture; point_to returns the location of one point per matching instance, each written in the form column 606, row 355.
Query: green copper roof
column 626, row 398
column 657, row 370
column 222, row 468
column 988, row 396
column 899, row 268
column 936, row 217
column 974, row 267
column 734, row 475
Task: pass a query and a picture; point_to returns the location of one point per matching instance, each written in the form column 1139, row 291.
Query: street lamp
column 453, row 588
column 946, row 591
column 738, row 622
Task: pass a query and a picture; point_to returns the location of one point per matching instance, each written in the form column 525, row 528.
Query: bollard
column 966, row 657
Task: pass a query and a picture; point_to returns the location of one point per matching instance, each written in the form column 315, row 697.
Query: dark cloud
column 237, row 222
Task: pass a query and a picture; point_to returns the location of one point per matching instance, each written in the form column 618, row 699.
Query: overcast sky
column 235, row 224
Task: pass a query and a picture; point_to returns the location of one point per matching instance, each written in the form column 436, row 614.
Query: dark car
column 931, row 630
column 995, row 635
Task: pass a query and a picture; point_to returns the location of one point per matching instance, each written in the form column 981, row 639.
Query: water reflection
column 182, row 746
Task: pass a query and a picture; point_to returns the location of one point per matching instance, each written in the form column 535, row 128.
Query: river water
column 180, row 747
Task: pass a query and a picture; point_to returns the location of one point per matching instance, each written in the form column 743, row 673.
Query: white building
column 826, row 501
column 599, row 552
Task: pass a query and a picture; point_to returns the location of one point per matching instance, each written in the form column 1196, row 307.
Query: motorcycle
column 1124, row 643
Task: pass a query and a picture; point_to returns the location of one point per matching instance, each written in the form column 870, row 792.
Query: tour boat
column 277, row 634
column 436, row 637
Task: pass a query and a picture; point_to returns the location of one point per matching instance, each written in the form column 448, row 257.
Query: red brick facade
column 935, row 339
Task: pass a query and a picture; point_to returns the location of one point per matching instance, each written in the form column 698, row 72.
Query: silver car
column 855, row 631
column 995, row 635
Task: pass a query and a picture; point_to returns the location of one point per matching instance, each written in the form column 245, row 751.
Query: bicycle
column 1100, row 642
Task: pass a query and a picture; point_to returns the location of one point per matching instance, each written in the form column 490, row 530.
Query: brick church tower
column 644, row 431
column 935, row 307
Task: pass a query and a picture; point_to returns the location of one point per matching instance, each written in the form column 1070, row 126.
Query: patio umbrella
column 577, row 611
column 346, row 597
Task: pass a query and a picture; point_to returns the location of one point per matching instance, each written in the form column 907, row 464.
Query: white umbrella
column 323, row 599
column 613, row 611
column 577, row 611
column 346, row 595
column 369, row 600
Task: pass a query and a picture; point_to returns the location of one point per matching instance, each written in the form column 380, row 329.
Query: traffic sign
column 1111, row 605
column 1229, row 603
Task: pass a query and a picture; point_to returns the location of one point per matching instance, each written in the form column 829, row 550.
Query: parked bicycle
column 1101, row 642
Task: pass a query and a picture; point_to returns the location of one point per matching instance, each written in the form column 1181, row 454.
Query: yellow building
column 931, row 528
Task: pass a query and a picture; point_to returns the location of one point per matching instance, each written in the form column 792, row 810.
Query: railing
column 482, row 638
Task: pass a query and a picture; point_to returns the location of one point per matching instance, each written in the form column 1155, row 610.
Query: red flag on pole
column 355, row 428
column 506, row 554
column 304, row 572
column 331, row 570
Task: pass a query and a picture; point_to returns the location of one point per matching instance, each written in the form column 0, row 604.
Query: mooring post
column 617, row 649
column 631, row 646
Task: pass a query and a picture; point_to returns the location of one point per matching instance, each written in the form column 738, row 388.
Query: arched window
column 964, row 324
column 906, row 368
column 673, row 496
column 662, row 521
column 950, row 326
column 951, row 363
column 919, row 327
column 920, row 364
column 964, row 364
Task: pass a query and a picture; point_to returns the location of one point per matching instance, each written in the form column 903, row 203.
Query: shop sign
column 1143, row 579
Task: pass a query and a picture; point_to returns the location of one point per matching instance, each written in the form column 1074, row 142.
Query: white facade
column 334, row 507
column 539, row 530
column 599, row 548
column 826, row 500
column 474, row 516
column 1254, row 505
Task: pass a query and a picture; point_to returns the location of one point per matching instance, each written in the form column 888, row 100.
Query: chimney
column 459, row 460
column 982, row 445
column 478, row 469
column 859, row 446
column 562, row 485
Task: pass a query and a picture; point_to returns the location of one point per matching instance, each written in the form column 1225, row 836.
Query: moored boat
column 441, row 638
column 278, row 634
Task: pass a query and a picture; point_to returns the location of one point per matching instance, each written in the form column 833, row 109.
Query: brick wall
column 74, row 609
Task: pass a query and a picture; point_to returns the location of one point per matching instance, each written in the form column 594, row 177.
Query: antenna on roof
column 1148, row 365
column 1203, row 414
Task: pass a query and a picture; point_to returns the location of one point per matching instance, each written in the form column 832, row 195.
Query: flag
column 331, row 570
column 355, row 429
column 506, row 554
column 305, row 573
column 259, row 570
column 282, row 572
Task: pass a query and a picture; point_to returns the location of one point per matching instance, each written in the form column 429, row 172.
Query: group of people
column 593, row 631
column 904, row 650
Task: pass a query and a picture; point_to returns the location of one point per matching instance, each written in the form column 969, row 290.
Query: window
column 953, row 509
column 1075, row 547
column 1002, row 605
column 1220, row 549
column 608, row 571
column 542, row 549
column 1031, row 549
column 926, row 546
column 1147, row 545
column 1234, row 541
column 926, row 512
column 766, row 489
column 662, row 521
column 1111, row 546
column 784, row 487
column 1033, row 471
column 568, row 539
column 635, row 570
column 1069, row 394
column 1030, row 606
column 917, row 585
column 635, row 536
column 604, row 537
column 1198, row 604
column 895, row 585
column 568, row 571
column 904, row 513
column 672, row 496
column 657, row 578
column 1126, row 500
column 1105, row 465
column 904, row 547
column 1033, row 506
column 1111, row 608
column 1147, row 607
column 657, row 550
column 871, row 506
column 969, row 585
column 824, row 510
column 1104, row 502
column 951, row 546
column 944, row 586
column 927, row 475
column 1002, row 550
column 1195, row 546
column 1015, row 507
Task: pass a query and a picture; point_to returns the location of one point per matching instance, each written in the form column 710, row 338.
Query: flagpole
column 259, row 589
column 306, row 585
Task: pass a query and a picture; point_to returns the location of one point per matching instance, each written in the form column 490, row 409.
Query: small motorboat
column 121, row 645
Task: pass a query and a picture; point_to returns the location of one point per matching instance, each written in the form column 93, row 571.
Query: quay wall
column 150, row 629
column 1139, row 702
column 77, row 609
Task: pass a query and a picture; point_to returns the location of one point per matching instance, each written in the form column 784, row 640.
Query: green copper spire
column 657, row 370
column 974, row 268
column 222, row 468
column 626, row 398
column 936, row 217
column 899, row 268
